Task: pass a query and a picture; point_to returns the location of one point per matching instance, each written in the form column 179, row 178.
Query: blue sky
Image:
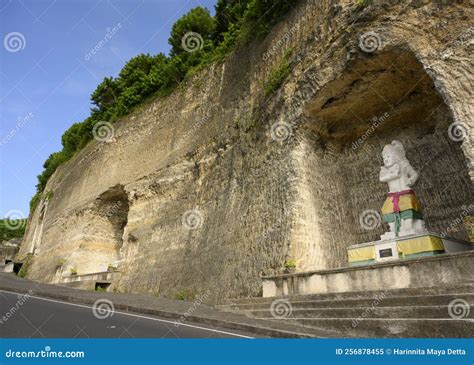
column 46, row 79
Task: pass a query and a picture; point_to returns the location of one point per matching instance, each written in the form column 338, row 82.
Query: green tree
column 197, row 20
column 228, row 13
column 157, row 76
column 261, row 15
column 11, row 229
column 106, row 94
column 135, row 71
column 71, row 139
column 50, row 165
column 236, row 21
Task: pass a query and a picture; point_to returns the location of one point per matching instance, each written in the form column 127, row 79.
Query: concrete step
column 388, row 301
column 413, row 312
column 437, row 328
column 441, row 289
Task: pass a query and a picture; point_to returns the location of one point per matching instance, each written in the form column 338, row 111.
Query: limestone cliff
column 218, row 183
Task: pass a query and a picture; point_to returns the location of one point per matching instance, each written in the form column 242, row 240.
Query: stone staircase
column 442, row 311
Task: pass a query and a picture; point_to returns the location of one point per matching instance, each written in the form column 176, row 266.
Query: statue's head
column 393, row 153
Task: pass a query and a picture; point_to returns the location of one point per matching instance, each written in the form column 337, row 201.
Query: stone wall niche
column 102, row 232
column 378, row 98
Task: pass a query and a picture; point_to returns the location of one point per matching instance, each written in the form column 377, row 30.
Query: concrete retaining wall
column 423, row 272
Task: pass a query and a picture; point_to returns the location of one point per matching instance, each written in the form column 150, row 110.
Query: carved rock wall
column 213, row 193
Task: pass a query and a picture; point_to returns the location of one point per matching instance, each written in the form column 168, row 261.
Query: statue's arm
column 387, row 175
column 412, row 175
column 384, row 176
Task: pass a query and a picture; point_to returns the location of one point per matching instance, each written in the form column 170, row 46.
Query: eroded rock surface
column 207, row 189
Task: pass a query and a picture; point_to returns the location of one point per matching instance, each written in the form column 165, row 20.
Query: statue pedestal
column 426, row 244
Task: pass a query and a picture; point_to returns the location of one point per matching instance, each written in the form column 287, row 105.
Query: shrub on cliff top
column 198, row 21
column 236, row 22
column 11, row 229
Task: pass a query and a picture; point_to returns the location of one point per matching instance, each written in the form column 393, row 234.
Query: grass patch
column 362, row 3
column 26, row 266
column 182, row 295
column 290, row 264
column 278, row 75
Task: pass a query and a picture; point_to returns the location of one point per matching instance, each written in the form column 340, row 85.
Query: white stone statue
column 401, row 210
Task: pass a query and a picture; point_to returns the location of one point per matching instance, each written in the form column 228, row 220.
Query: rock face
column 217, row 184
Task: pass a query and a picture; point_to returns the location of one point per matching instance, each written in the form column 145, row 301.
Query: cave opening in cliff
column 113, row 206
column 378, row 98
column 99, row 231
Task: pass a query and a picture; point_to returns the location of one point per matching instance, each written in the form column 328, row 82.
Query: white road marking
column 131, row 315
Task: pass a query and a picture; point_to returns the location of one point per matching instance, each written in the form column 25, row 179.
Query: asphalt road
column 35, row 317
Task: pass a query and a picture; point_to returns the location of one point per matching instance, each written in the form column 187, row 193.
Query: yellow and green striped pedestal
column 428, row 244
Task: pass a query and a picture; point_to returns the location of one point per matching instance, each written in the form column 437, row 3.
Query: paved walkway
column 177, row 310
